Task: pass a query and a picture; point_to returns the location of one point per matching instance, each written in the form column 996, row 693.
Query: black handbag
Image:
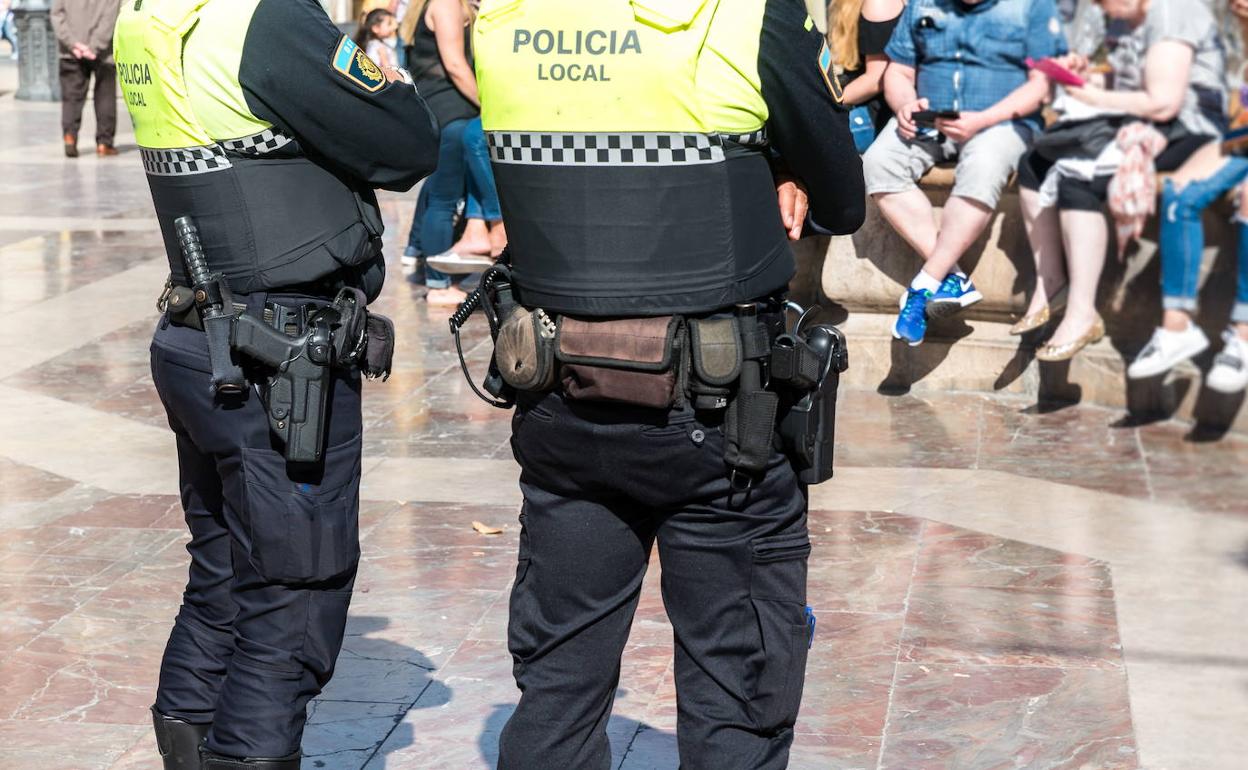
column 1078, row 138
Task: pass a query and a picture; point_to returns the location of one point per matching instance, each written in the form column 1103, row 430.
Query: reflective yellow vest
column 269, row 217
column 627, row 143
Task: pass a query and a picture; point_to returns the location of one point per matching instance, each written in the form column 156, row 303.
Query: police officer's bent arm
column 350, row 118
column 805, row 124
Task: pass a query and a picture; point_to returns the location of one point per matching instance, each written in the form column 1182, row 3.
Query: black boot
column 178, row 741
column 215, row 762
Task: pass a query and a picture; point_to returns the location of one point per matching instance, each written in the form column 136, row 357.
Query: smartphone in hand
column 929, row 117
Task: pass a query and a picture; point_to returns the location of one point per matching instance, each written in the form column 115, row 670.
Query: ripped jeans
column 1183, row 238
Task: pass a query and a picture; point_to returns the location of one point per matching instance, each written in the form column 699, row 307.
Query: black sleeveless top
column 425, row 63
column 873, row 37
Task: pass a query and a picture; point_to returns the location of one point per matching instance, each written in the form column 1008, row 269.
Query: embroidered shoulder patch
column 353, row 64
column 825, row 69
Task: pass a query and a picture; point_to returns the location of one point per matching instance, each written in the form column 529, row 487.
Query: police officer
column 635, row 144
column 270, row 129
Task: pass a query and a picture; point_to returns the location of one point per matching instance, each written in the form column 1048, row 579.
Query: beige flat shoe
column 1055, row 353
column 1029, row 323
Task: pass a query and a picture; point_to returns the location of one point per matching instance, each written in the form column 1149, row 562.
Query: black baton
column 216, row 308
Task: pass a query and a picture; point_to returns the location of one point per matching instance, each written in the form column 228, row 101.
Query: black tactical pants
column 273, row 558
column 601, row 484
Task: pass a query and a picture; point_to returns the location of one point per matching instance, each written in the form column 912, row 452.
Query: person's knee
column 886, row 172
column 982, row 183
column 1186, row 203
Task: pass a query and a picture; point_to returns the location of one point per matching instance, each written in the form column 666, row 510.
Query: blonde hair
column 843, row 18
column 416, row 11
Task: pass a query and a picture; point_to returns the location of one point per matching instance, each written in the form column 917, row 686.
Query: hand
column 905, row 120
column 966, row 126
column 392, row 74
column 1086, row 94
column 1240, row 8
column 1077, row 63
column 794, row 203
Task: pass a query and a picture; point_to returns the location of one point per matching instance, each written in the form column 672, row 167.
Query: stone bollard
column 38, row 80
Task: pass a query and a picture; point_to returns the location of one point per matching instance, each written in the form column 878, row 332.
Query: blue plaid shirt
column 969, row 57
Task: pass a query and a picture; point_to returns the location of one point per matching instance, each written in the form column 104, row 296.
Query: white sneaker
column 459, row 264
column 1166, row 350
column 1230, row 369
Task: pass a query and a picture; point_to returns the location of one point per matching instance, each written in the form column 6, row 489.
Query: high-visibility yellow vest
column 627, row 144
column 269, row 217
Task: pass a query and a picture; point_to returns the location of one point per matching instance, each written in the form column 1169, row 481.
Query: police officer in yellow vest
column 636, row 145
column 267, row 127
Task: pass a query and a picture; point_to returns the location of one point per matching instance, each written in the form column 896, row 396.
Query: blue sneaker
column 911, row 325
column 955, row 295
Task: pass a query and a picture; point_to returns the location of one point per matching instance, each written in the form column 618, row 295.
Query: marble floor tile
column 994, row 718
column 1012, row 627
column 865, row 561
column 849, row 674
column 956, row 557
column 64, row 746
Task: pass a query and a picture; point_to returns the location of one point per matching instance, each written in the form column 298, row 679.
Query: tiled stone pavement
column 997, row 587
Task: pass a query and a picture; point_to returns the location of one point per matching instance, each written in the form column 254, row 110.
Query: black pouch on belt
column 750, row 423
column 629, row 361
column 716, row 357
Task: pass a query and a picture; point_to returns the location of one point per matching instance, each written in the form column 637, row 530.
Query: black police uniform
column 631, row 142
column 269, row 128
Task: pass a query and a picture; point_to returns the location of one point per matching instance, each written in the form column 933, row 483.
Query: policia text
column 595, row 42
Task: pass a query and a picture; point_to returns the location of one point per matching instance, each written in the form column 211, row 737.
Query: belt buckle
column 162, row 304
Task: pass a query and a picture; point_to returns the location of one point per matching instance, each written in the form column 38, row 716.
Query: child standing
column 378, row 27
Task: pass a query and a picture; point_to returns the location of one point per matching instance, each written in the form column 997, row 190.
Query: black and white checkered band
column 602, row 149
column 262, row 143
column 186, row 161
column 755, row 139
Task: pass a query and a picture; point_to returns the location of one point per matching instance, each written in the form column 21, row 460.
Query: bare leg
column 498, row 238
column 1176, row 320
column 961, row 223
column 1086, row 236
column 475, row 240
column 910, row 213
column 1044, row 232
column 1203, row 164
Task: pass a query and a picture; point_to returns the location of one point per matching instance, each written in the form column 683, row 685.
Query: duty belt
column 775, row 383
column 179, row 303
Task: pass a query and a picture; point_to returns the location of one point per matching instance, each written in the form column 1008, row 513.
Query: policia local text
column 596, row 42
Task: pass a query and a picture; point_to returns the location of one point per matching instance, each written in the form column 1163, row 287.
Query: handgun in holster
column 298, row 389
column 810, row 360
column 340, row 335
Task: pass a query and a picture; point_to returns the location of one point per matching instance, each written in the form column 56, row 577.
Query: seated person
column 968, row 57
column 860, row 30
column 1166, row 69
column 1182, row 247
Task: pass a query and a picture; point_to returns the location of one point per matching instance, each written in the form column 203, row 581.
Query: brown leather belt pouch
column 628, row 361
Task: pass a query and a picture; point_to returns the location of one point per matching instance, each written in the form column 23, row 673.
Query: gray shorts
column 985, row 163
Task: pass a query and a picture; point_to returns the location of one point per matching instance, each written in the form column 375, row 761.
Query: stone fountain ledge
column 860, row 278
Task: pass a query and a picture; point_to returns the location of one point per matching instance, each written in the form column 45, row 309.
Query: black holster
column 810, row 363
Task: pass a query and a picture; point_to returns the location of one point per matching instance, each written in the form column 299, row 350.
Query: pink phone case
column 1056, row 72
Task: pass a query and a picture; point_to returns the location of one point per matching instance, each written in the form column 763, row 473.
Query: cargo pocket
column 778, row 594
column 303, row 530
